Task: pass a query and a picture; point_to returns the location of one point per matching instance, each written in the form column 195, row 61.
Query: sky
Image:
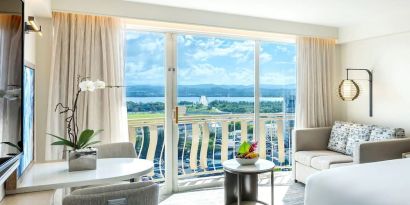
column 207, row 60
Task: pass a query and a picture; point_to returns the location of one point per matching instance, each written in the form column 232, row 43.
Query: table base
column 248, row 183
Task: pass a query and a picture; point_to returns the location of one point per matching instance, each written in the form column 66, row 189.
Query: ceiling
column 337, row 13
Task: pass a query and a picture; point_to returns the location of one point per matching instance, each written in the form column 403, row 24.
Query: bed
column 379, row 183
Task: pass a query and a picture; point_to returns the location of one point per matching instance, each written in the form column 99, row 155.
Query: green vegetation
column 156, row 109
column 145, row 107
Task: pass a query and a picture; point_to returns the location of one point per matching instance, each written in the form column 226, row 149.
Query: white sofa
column 317, row 149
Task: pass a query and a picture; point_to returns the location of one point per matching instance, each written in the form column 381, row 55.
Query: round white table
column 244, row 179
column 55, row 175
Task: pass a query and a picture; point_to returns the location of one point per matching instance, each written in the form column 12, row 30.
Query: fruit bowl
column 243, row 161
column 247, row 154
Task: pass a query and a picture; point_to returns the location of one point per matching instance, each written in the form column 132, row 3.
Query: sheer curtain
column 89, row 46
column 316, row 60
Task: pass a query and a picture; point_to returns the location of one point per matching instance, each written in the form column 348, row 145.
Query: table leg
column 239, row 184
column 272, row 181
column 230, row 188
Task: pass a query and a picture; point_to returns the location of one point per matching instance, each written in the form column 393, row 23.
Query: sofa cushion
column 358, row 133
column 324, row 162
column 384, row 133
column 305, row 157
column 338, row 136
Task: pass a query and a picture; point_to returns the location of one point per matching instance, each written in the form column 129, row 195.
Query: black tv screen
column 11, row 67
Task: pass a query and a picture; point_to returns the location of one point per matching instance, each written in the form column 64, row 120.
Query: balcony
column 205, row 141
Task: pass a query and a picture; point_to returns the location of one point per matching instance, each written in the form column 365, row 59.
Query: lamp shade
column 348, row 90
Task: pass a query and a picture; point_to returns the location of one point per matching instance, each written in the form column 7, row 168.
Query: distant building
column 203, row 100
column 289, row 104
column 181, row 110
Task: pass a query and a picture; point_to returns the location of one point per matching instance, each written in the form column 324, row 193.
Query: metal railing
column 205, row 141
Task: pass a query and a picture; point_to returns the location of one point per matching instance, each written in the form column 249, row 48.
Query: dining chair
column 141, row 193
column 116, row 150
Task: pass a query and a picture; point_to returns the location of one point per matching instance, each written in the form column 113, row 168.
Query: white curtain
column 89, row 46
column 316, row 61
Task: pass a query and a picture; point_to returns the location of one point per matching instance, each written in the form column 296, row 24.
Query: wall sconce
column 31, row 26
column 349, row 90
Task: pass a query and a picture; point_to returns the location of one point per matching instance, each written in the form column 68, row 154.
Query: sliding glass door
column 192, row 99
column 145, row 78
column 215, row 96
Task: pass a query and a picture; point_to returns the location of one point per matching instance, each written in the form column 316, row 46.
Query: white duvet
column 379, row 183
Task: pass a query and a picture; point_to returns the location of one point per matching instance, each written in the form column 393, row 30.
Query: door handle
column 176, row 114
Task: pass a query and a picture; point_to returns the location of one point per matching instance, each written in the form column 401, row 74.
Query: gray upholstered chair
column 141, row 193
column 116, row 150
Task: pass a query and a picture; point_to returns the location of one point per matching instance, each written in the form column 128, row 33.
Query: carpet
column 288, row 194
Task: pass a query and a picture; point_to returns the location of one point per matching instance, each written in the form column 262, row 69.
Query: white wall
column 29, row 39
column 389, row 56
column 43, row 64
column 339, row 106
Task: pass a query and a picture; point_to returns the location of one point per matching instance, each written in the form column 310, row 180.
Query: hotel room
column 147, row 102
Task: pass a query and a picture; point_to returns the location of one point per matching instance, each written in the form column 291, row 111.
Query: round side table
column 241, row 182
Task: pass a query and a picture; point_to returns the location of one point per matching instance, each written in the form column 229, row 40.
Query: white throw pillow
column 338, row 136
column 384, row 133
column 358, row 133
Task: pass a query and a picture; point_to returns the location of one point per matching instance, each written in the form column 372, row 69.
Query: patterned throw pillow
column 358, row 133
column 383, row 133
column 338, row 136
column 399, row 133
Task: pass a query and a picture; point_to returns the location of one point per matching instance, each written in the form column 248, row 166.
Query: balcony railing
column 205, row 141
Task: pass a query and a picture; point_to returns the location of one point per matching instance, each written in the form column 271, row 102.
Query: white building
column 203, row 100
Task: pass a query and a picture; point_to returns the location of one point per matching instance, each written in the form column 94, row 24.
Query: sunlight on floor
column 216, row 196
column 285, row 193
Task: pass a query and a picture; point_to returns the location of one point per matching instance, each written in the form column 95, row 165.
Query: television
column 11, row 79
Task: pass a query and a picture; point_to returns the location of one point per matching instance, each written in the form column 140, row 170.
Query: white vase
column 82, row 159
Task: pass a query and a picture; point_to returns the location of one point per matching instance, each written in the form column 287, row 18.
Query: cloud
column 144, row 74
column 187, row 40
column 202, row 49
column 207, row 60
column 265, row 57
column 281, row 48
column 276, row 78
column 150, row 43
column 132, row 35
column 134, row 67
column 151, row 46
column 210, row 74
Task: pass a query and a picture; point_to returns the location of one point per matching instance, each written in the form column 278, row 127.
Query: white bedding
column 379, row 183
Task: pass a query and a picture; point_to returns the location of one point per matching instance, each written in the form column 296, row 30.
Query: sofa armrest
column 382, row 150
column 311, row 139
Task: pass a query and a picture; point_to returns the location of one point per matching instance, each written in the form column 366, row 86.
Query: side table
column 241, row 182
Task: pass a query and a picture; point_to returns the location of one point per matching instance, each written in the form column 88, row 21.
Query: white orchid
column 87, row 85
column 99, row 84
